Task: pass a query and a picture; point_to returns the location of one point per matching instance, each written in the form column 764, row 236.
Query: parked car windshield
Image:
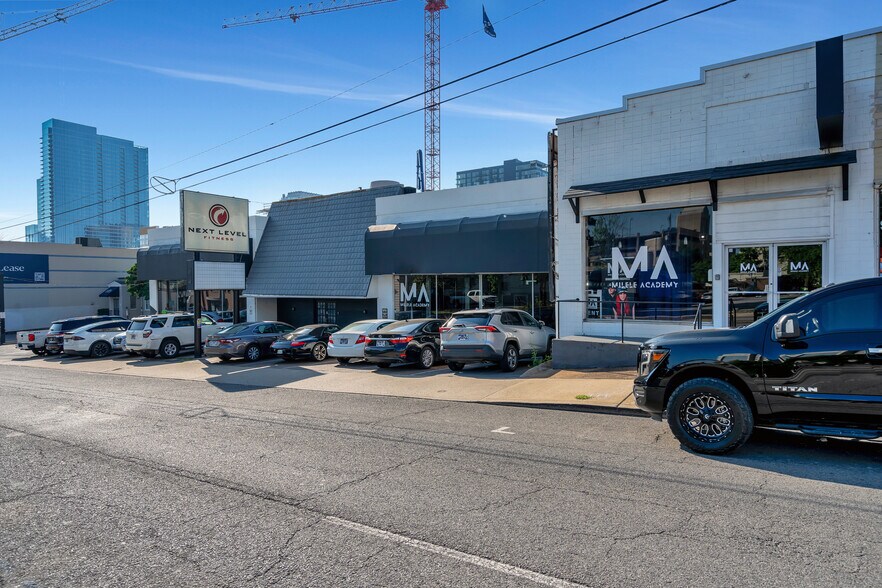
column 357, row 327
column 469, row 320
column 235, row 330
column 138, row 325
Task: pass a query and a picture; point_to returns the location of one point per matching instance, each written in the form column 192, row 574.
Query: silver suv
column 499, row 335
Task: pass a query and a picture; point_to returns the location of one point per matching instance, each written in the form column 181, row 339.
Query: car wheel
column 455, row 366
column 343, row 360
column 509, row 361
column 100, row 349
column 252, row 353
column 319, row 352
column 169, row 349
column 427, row 358
column 710, row 416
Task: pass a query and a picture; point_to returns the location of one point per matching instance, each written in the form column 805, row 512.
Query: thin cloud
column 301, row 90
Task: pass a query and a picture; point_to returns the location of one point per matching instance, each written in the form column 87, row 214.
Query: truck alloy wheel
column 709, row 415
column 169, row 349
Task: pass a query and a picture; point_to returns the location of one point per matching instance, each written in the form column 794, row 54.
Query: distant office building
column 511, row 169
column 92, row 186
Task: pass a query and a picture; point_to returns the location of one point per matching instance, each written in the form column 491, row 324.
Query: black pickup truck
column 813, row 365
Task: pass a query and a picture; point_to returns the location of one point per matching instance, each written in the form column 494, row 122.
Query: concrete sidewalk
column 609, row 390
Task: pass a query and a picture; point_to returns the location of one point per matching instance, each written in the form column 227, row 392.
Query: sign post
column 216, row 224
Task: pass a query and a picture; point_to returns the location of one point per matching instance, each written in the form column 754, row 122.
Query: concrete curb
column 610, row 410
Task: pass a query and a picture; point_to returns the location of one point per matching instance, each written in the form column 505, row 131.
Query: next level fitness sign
column 214, row 223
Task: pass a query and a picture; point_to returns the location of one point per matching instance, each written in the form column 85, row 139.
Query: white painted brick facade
column 759, row 108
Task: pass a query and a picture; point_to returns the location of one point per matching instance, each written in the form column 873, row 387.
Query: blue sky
column 167, row 76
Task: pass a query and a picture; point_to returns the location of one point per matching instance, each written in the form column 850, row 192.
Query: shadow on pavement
column 842, row 461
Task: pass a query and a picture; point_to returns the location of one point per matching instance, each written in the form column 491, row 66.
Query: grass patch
column 584, row 397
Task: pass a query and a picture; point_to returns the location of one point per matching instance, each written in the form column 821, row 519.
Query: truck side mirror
column 787, row 328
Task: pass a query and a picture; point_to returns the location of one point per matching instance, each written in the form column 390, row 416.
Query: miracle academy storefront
column 651, row 265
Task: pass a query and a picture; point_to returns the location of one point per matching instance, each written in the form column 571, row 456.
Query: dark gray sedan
column 249, row 340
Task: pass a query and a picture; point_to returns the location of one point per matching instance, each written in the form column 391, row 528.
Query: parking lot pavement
column 473, row 384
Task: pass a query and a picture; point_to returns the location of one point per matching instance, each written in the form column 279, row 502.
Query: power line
column 423, row 93
column 415, row 111
column 261, row 128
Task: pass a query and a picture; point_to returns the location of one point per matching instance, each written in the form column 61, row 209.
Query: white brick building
column 717, row 192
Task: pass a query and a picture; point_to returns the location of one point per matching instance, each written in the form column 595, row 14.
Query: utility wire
column 473, row 91
column 420, row 94
column 266, row 126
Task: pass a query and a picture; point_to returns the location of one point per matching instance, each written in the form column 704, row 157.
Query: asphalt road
column 128, row 481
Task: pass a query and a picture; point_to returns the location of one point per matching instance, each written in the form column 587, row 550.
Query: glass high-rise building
column 92, row 186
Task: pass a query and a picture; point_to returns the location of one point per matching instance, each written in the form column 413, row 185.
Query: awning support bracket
column 844, row 181
column 574, row 204
column 642, row 197
column 713, row 191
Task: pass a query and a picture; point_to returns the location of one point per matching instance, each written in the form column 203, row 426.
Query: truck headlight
column 649, row 360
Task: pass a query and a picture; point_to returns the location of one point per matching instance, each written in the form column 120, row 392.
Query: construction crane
column 432, row 59
column 58, row 15
column 295, row 14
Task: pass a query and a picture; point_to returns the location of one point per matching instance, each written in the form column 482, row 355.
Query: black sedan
column 405, row 342
column 307, row 341
column 249, row 340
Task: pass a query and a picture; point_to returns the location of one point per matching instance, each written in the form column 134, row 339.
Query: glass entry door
column 762, row 277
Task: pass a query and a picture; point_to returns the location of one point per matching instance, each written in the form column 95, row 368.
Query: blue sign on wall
column 22, row 268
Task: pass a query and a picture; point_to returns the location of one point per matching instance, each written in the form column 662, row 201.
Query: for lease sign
column 214, row 223
column 24, row 268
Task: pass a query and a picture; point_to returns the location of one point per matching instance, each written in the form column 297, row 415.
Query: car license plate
column 381, row 343
column 344, row 341
column 462, row 337
column 213, row 343
column 279, row 351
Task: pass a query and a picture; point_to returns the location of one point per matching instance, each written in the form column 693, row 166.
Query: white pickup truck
column 34, row 341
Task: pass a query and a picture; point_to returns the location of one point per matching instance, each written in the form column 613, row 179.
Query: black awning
column 714, row 174
column 110, row 292
column 513, row 243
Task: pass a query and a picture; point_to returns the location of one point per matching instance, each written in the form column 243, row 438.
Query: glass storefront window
column 649, row 265
column 439, row 296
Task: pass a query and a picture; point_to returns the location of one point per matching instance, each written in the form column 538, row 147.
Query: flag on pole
column 488, row 26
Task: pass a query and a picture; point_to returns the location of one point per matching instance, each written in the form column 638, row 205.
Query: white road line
column 260, row 367
column 457, row 555
column 503, row 430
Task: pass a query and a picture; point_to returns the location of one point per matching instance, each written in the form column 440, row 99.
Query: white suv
column 166, row 334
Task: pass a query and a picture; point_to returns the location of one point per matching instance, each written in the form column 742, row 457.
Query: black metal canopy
column 714, row 174
column 512, row 243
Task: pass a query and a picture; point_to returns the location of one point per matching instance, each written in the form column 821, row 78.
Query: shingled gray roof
column 314, row 247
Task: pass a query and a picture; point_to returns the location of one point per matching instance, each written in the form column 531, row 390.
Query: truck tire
column 710, row 416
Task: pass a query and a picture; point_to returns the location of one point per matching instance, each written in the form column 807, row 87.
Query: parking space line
column 469, row 558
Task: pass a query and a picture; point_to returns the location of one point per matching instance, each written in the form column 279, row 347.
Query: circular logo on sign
column 218, row 215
